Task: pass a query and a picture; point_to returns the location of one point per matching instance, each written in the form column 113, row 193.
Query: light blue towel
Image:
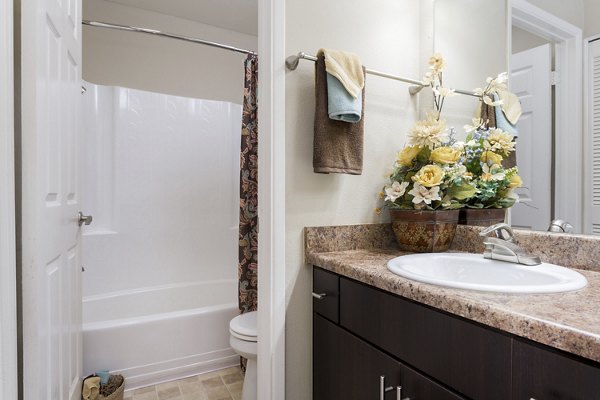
column 502, row 122
column 104, row 375
column 341, row 106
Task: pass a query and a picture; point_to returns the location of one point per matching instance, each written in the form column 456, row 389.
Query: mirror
column 530, row 39
column 546, row 37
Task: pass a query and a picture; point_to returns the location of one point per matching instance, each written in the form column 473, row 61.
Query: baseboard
column 152, row 374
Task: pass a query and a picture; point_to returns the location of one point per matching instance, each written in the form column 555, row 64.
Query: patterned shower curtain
column 248, row 240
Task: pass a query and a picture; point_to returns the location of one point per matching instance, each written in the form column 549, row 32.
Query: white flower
column 444, row 91
column 428, row 132
column 428, row 78
column 489, row 100
column 460, row 146
column 500, row 142
column 502, row 77
column 436, row 62
column 493, row 173
column 396, row 190
column 423, row 195
column 457, row 171
column 477, row 123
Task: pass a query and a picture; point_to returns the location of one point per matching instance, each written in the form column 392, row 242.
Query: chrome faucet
column 503, row 246
column 561, row 226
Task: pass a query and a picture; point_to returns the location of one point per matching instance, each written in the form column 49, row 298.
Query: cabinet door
column 540, row 373
column 473, row 360
column 347, row 368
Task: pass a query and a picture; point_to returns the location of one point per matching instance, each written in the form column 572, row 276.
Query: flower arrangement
column 436, row 172
column 484, row 151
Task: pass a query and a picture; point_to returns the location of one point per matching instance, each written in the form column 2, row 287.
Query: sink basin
column 473, row 272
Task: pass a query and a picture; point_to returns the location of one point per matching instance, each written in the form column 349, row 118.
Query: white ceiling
column 236, row 15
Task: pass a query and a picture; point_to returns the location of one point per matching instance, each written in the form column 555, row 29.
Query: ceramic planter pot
column 481, row 216
column 423, row 231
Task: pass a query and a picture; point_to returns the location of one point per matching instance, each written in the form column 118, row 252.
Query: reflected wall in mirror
column 472, row 36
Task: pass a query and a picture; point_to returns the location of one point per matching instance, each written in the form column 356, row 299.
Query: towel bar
column 292, row 62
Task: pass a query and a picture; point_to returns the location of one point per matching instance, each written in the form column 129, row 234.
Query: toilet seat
column 244, row 327
column 243, row 337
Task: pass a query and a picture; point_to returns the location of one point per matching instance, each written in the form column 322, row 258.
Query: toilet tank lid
column 245, row 324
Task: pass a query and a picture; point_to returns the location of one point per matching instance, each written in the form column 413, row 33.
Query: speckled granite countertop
column 567, row 321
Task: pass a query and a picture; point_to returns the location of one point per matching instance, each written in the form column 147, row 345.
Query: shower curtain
column 248, row 239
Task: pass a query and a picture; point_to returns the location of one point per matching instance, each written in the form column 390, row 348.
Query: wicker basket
column 116, row 395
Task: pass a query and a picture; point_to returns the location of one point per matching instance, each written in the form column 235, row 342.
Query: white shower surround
column 161, row 180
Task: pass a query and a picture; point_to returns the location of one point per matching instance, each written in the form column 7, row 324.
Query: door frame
column 271, row 295
column 271, row 194
column 8, row 283
column 568, row 179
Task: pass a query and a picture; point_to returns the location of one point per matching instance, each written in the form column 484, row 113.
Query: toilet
column 243, row 338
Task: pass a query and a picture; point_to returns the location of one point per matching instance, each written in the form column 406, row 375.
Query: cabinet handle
column 319, row 296
column 382, row 389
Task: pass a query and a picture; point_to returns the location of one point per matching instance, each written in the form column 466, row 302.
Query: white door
column 51, row 268
column 530, row 81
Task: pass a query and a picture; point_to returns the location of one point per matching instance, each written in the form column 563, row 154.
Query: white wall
column 472, row 37
column 571, row 11
column 386, row 37
column 161, row 179
column 163, row 65
column 523, row 40
column 592, row 18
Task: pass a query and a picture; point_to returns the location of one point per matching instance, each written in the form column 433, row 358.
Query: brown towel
column 488, row 115
column 338, row 146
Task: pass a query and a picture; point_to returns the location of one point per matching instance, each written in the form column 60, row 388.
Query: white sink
column 473, row 272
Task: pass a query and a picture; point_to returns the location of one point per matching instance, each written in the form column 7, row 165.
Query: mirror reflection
column 552, row 54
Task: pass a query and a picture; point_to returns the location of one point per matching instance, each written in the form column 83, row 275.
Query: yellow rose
column 491, row 156
column 445, row 155
column 515, row 181
column 407, row 155
column 429, row 176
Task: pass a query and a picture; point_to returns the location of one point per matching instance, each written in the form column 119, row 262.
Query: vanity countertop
column 567, row 321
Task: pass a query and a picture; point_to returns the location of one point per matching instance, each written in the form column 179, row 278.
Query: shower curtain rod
column 292, row 63
column 167, row 35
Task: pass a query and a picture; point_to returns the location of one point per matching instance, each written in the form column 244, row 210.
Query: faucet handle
column 502, row 231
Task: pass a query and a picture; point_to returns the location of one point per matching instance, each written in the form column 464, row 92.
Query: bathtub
column 153, row 335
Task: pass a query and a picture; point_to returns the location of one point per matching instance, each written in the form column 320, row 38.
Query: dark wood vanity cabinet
column 346, row 367
column 544, row 374
column 361, row 333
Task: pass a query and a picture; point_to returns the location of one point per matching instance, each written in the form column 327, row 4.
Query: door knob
column 84, row 219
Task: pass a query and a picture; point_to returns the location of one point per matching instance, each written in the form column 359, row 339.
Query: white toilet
column 243, row 338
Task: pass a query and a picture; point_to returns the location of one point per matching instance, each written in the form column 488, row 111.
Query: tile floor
column 225, row 384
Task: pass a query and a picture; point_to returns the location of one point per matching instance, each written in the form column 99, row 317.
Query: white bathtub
column 157, row 334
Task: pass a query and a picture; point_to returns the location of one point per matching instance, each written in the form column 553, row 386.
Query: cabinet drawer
column 545, row 374
column 347, row 368
column 473, row 360
column 327, row 286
